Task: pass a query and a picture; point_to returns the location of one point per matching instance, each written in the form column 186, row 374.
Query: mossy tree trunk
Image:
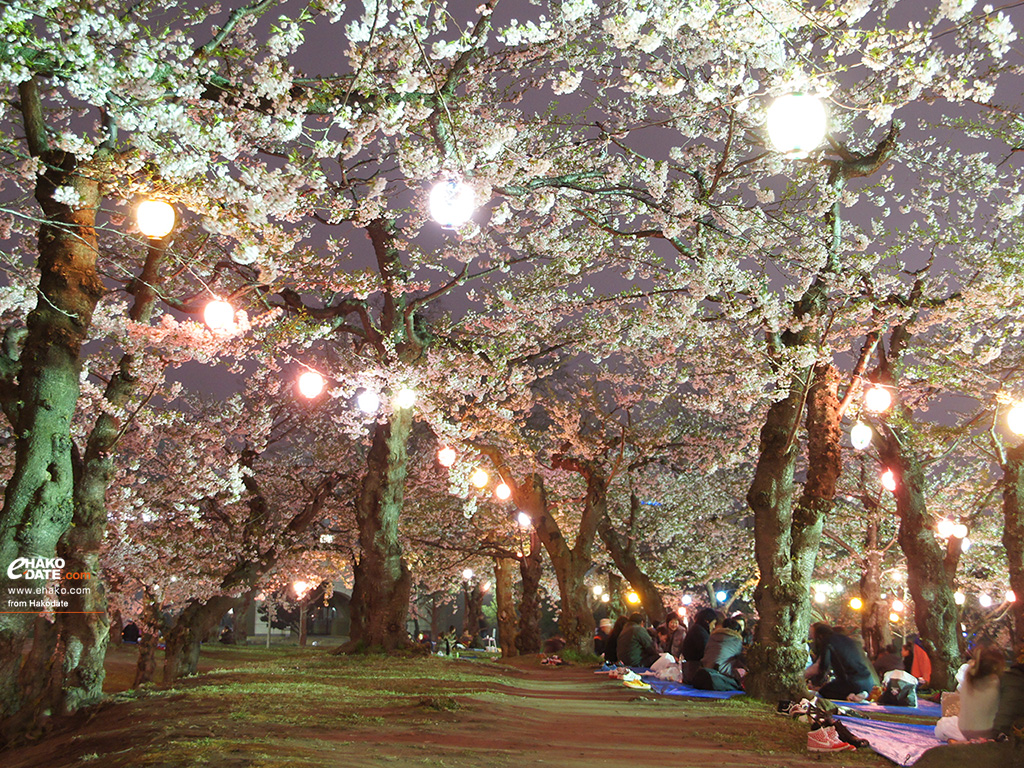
column 41, row 389
column 380, row 595
column 531, row 569
column 1012, row 462
column 504, row 595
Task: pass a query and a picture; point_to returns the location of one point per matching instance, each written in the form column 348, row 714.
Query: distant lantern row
column 984, row 600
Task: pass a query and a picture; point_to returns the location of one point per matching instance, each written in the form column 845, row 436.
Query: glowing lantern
column 720, row 596
column 219, row 315
column 406, row 398
column 606, row 598
column 502, row 491
column 598, row 590
column 485, row 587
column 1011, row 596
column 945, row 527
column 877, row 399
column 479, row 477
column 889, row 480
column 300, row 588
column 796, row 124
column 965, row 545
column 524, row 520
column 632, row 598
column 446, row 456
column 894, row 617
column 856, row 603
column 681, row 612
column 820, row 597
column 959, row 598
column 452, row 203
column 467, row 574
column 897, row 605
column 985, row 601
column 960, row 531
column 311, row 384
column 368, row 401
column 687, row 599
column 860, row 436
column 1015, row 419
column 155, row 218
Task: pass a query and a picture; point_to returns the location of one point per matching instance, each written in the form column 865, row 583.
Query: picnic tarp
column 903, row 743
column 923, row 709
column 668, row 688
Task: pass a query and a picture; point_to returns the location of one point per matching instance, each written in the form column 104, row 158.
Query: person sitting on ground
column 916, row 661
column 888, row 659
column 696, row 641
column 670, row 636
column 635, row 646
column 446, row 643
column 845, row 659
column 724, row 651
column 979, row 697
column 611, row 645
column 604, row 629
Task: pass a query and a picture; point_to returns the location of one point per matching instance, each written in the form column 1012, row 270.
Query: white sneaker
column 827, row 740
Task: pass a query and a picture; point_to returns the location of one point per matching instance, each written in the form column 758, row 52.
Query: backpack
column 898, row 691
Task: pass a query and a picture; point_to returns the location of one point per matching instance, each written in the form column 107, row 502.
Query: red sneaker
column 827, row 740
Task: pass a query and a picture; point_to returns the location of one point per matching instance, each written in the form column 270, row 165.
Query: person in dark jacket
column 724, row 651
column 635, row 646
column 696, row 641
column 604, row 630
column 845, row 659
column 611, row 645
column 889, row 659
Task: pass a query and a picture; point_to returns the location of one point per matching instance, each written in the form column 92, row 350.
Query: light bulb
column 860, row 435
column 984, row 600
column 856, row 603
column 502, row 491
column 960, row 531
column 1015, row 419
column 959, row 598
column 965, row 544
column 687, row 599
column 888, row 480
column 524, row 520
column 820, row 597
column 452, row 203
column 598, row 590
column 681, row 612
column 155, row 218
column 720, row 596
column 219, row 315
column 406, row 398
column 632, row 598
column 606, row 598
column 877, row 399
column 446, row 456
column 897, row 605
column 368, row 401
column 1011, row 596
column 467, row 574
column 796, row 124
column 300, row 587
column 479, row 477
column 485, row 587
column 311, row 384
column 894, row 617
column 945, row 527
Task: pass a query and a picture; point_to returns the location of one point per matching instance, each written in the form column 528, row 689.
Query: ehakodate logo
column 35, row 568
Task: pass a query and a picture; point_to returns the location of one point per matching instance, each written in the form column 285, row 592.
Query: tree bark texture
column 473, row 598
column 38, row 502
column 531, row 569
column 504, row 595
column 1013, row 535
column 929, row 577
column 382, row 588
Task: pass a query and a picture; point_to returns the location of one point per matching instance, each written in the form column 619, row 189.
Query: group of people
column 709, row 643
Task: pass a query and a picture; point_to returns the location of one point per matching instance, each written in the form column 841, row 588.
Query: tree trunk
column 38, row 503
column 504, row 595
column 874, row 623
column 531, row 569
column 777, row 656
column 929, row 579
column 624, row 559
column 473, row 598
column 380, row 595
column 1013, row 535
column 240, row 628
column 183, row 640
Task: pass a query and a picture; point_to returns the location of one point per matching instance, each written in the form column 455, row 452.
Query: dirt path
column 308, row 708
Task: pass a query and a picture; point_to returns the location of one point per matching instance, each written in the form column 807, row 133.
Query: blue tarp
column 923, row 709
column 668, row 688
column 903, row 743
